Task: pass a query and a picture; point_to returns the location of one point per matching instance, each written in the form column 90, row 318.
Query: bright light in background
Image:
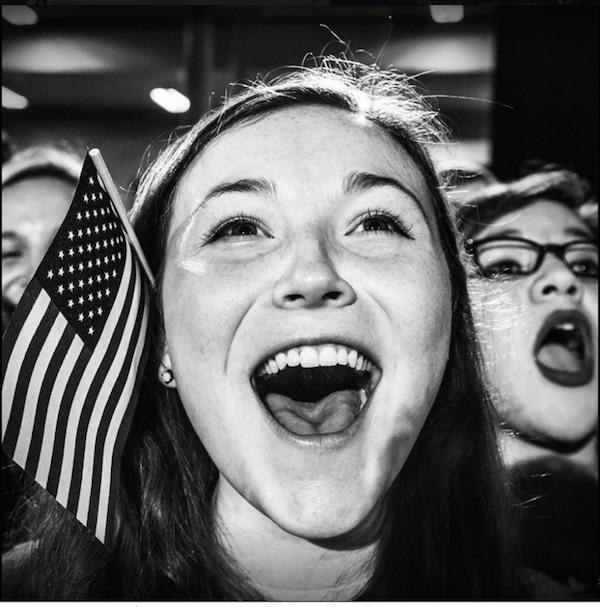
column 448, row 13
column 19, row 15
column 443, row 53
column 171, row 100
column 12, row 100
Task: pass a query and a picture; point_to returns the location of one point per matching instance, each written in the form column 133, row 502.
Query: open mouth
column 563, row 349
column 314, row 390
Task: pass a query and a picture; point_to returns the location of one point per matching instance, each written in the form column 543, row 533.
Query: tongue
column 559, row 357
column 333, row 413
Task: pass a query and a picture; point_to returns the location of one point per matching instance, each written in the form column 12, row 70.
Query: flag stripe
column 41, row 414
column 65, row 372
column 112, row 331
column 97, row 391
column 35, row 382
column 18, row 318
column 26, row 368
column 18, row 348
column 67, row 401
column 107, row 516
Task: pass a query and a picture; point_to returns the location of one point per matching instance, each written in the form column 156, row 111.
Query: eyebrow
column 355, row 182
column 577, row 231
column 245, row 186
column 359, row 181
column 504, row 233
column 570, row 231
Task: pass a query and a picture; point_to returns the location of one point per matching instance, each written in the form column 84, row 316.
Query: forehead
column 309, row 147
column 542, row 220
column 39, row 199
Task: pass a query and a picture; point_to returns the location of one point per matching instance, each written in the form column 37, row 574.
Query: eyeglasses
column 515, row 257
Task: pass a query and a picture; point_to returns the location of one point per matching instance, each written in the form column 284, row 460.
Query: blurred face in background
column 33, row 209
column 540, row 331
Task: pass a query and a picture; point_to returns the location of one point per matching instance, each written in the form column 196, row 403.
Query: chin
column 573, row 435
column 569, row 415
column 558, row 427
column 325, row 517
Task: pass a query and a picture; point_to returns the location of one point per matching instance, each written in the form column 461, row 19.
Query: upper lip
column 352, row 343
column 578, row 318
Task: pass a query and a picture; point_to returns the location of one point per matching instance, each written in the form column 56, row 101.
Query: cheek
column 198, row 329
column 8, row 273
column 39, row 239
column 590, row 303
column 415, row 296
column 504, row 321
column 206, row 299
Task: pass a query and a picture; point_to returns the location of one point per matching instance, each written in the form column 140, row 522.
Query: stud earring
column 166, row 376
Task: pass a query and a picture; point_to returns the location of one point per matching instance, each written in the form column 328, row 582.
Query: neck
column 518, row 450
column 283, row 566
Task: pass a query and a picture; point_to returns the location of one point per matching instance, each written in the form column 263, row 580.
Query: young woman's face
column 540, row 332
column 33, row 209
column 307, row 309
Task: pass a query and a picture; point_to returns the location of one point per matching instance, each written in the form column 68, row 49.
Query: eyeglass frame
column 558, row 250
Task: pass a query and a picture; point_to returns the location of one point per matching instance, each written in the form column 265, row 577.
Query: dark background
column 515, row 83
column 547, row 71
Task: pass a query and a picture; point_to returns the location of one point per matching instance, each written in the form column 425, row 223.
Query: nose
column 555, row 279
column 311, row 281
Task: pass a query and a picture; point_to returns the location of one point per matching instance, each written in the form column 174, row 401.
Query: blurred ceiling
column 100, row 63
column 87, row 71
column 90, row 58
column 111, row 57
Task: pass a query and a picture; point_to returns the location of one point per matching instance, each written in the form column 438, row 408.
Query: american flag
column 73, row 355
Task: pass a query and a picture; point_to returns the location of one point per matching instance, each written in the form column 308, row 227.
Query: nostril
column 293, row 297
column 548, row 289
column 572, row 290
column 333, row 295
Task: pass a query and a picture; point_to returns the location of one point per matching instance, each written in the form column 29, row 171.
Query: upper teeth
column 327, row 355
column 566, row 326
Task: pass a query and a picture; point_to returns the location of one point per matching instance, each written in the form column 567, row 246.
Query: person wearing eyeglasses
column 532, row 251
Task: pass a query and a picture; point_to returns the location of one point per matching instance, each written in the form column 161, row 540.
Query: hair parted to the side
column 445, row 534
column 482, row 207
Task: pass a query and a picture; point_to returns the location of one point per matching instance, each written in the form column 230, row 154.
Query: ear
column 165, row 372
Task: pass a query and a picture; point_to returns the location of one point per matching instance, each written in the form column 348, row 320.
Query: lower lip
column 325, row 442
column 570, row 379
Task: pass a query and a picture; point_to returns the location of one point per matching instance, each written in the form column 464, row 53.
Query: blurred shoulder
column 543, row 587
column 15, row 571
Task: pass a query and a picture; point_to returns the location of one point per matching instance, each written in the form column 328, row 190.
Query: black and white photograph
column 300, row 301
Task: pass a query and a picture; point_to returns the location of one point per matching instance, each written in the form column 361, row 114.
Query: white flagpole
column 111, row 188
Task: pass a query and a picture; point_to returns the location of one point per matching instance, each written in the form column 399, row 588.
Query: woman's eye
column 586, row 268
column 11, row 255
column 381, row 222
column 378, row 224
column 504, row 268
column 237, row 228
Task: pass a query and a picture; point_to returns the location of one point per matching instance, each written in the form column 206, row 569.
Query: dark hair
column 8, row 147
column 445, row 533
column 484, row 206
